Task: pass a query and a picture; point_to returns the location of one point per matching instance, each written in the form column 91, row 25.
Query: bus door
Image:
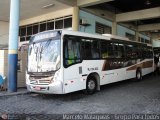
column 72, row 64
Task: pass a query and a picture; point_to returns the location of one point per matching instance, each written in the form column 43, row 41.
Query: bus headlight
column 56, row 75
column 27, row 78
column 52, row 80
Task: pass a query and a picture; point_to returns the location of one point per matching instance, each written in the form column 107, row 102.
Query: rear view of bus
column 44, row 63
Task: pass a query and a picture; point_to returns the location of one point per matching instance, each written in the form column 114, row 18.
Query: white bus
column 61, row 62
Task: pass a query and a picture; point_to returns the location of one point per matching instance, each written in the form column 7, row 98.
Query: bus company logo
column 92, row 69
column 4, row 116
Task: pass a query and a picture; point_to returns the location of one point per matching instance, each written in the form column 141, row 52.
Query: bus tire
column 91, row 85
column 138, row 75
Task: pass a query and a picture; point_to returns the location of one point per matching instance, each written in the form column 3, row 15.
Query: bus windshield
column 44, row 56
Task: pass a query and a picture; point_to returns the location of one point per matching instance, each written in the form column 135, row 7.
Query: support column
column 75, row 21
column 114, row 28
column 137, row 36
column 13, row 45
column 151, row 41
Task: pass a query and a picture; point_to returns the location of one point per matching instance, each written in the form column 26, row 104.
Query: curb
column 12, row 94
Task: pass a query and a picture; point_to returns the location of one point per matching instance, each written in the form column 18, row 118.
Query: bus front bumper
column 54, row 88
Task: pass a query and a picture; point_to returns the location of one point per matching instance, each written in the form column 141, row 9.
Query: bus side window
column 95, row 49
column 129, row 50
column 91, row 49
column 116, row 50
column 147, row 52
column 86, row 49
column 104, row 49
column 76, row 49
column 121, row 50
column 110, row 50
column 72, row 51
column 150, row 52
column 139, row 52
column 144, row 52
column 71, row 59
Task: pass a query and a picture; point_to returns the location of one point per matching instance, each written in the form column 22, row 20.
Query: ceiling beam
column 101, row 13
column 138, row 15
column 68, row 2
column 155, row 36
column 149, row 27
column 85, row 3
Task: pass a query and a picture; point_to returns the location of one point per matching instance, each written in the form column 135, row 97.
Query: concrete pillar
column 13, row 45
column 137, row 36
column 75, row 20
column 151, row 41
column 114, row 28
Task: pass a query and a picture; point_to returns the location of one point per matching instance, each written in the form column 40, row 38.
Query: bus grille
column 37, row 80
column 40, row 82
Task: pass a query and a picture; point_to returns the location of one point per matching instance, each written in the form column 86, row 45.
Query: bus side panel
column 131, row 70
column 73, row 79
column 107, row 77
column 130, row 74
column 76, row 78
column 120, row 74
column 146, row 71
column 111, row 76
column 113, row 71
column 148, row 67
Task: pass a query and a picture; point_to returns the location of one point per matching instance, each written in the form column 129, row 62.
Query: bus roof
column 116, row 37
column 98, row 36
column 83, row 34
column 103, row 36
column 123, row 38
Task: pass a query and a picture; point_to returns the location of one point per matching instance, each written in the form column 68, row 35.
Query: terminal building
column 138, row 20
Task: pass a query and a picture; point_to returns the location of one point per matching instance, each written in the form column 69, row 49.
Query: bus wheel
column 138, row 75
column 91, row 85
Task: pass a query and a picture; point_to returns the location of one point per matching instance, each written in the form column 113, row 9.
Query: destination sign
column 45, row 35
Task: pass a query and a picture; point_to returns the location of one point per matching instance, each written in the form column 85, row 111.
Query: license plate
column 37, row 88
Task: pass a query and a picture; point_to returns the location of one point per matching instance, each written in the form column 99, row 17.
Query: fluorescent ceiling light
column 48, row 6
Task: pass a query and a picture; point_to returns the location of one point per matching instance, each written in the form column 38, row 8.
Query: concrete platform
column 20, row 91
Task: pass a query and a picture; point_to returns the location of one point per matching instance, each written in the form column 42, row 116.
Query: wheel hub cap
column 138, row 75
column 91, row 85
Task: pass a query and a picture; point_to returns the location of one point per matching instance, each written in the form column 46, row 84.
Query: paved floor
column 20, row 91
column 119, row 98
